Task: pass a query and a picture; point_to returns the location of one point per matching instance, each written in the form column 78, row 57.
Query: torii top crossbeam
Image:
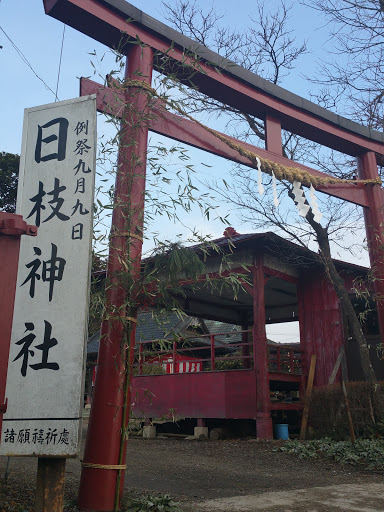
column 105, row 20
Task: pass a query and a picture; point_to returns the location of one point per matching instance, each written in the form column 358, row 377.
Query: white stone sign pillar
column 46, row 361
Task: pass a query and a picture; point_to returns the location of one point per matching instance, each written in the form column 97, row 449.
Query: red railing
column 185, row 355
column 172, row 354
column 285, row 359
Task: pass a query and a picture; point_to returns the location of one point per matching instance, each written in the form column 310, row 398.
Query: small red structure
column 174, row 363
column 288, row 284
column 11, row 228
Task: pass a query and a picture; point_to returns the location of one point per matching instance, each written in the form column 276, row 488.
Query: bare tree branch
column 268, row 48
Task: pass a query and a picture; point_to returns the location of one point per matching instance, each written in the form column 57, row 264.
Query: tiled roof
column 150, row 328
column 224, row 330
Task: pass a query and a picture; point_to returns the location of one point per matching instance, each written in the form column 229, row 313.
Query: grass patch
column 151, row 503
column 366, row 452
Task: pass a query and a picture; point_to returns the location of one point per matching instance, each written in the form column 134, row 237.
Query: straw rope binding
column 126, row 233
column 103, row 466
column 281, row 172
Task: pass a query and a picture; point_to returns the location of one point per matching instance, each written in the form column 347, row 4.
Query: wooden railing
column 186, row 355
column 174, row 355
column 285, row 359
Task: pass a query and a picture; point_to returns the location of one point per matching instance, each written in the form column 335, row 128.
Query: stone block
column 149, row 432
column 201, row 432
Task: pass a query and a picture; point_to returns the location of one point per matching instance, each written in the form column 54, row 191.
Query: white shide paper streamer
column 300, row 199
column 317, row 215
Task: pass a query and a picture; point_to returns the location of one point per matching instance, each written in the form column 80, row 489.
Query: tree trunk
column 348, row 312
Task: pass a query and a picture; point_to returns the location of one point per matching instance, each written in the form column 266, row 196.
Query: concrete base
column 218, row 433
column 264, row 428
column 149, row 432
column 201, row 432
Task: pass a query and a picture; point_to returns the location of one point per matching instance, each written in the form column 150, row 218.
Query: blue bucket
column 281, row 431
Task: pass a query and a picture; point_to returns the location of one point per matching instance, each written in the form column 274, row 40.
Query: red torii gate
column 105, row 21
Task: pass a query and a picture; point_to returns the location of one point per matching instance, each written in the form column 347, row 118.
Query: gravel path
column 229, row 475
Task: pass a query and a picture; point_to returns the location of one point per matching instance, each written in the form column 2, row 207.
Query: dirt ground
column 228, row 475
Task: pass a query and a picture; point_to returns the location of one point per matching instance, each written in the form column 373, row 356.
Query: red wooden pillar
column 273, row 141
column 11, row 228
column 260, row 354
column 374, row 225
column 97, row 485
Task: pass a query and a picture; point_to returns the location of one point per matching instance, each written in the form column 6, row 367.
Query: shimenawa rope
column 103, row 466
column 281, row 172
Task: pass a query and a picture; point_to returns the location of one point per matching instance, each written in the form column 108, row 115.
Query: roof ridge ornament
column 230, row 232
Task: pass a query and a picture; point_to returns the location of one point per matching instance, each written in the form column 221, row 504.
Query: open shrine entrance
column 106, row 21
column 229, row 382
column 292, row 287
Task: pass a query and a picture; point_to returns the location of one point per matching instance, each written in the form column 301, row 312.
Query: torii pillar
column 374, row 226
column 103, row 450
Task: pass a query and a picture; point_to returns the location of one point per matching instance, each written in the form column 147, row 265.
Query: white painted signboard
column 46, row 362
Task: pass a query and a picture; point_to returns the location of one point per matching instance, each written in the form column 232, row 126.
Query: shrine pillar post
column 374, row 225
column 103, row 451
column 260, row 354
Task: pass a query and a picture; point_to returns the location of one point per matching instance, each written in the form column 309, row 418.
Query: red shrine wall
column 321, row 325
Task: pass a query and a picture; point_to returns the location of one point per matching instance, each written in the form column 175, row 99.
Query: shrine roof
column 266, row 240
column 148, row 328
column 271, row 242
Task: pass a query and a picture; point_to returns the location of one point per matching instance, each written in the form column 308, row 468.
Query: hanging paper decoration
column 260, row 187
column 298, row 192
column 317, row 215
column 275, row 198
column 300, row 199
